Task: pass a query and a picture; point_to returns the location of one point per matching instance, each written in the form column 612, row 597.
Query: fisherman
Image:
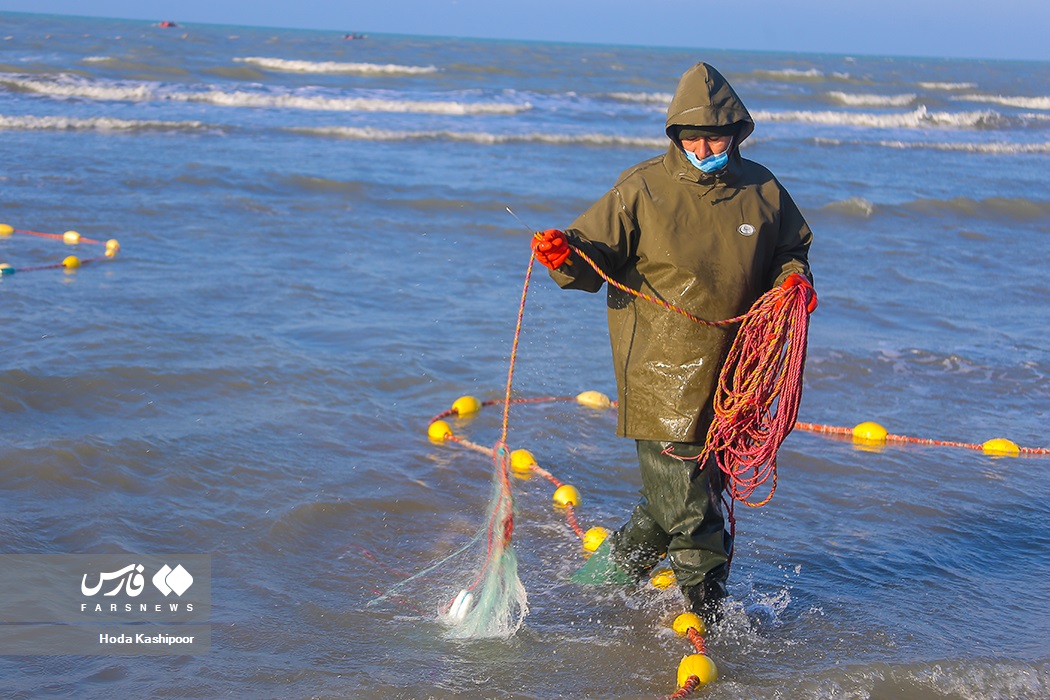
column 704, row 229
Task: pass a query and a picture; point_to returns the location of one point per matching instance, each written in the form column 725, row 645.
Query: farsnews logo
column 169, row 580
column 131, row 581
column 118, row 588
column 129, row 578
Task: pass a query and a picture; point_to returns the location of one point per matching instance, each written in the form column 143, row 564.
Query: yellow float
column 1001, row 447
column 869, row 433
column 688, row 620
column 466, row 405
column 698, row 665
column 567, row 495
column 439, row 431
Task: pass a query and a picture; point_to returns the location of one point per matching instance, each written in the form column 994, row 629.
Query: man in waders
column 704, row 229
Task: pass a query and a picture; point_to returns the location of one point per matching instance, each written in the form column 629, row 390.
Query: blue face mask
column 712, row 163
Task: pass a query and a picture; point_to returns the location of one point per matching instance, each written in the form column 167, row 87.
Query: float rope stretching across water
column 70, row 262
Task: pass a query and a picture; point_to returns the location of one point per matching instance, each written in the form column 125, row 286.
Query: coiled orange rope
column 759, row 389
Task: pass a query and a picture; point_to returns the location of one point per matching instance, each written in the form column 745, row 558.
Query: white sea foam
column 292, row 66
column 30, row 123
column 662, row 98
column 372, row 134
column 854, row 206
column 65, row 86
column 947, row 86
column 97, row 59
column 792, row 74
column 1022, row 102
column 994, row 148
column 918, row 118
column 984, row 147
column 863, row 100
column 344, row 104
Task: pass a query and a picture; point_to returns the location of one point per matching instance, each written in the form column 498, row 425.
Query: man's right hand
column 551, row 248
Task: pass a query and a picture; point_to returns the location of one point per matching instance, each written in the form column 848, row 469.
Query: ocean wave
column 993, row 208
column 946, row 86
column 918, row 118
column 660, row 98
column 872, row 100
column 292, row 66
column 984, row 147
column 795, row 74
column 66, row 86
column 372, row 134
column 29, row 123
column 1022, row 102
column 239, row 98
column 990, row 208
column 854, row 206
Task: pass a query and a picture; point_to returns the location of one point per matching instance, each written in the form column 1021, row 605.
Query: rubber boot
column 705, row 599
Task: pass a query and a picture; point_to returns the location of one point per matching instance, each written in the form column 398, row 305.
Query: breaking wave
column 854, row 206
column 994, row 208
column 872, row 100
column 987, row 148
column 29, row 123
column 918, row 118
column 984, row 147
column 1022, row 102
column 795, row 74
column 371, row 134
column 69, row 87
column 946, row 86
column 660, row 98
column 239, row 98
column 290, row 66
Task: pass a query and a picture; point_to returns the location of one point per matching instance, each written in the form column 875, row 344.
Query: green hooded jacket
column 708, row 243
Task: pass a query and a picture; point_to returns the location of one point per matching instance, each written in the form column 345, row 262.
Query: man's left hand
column 797, row 280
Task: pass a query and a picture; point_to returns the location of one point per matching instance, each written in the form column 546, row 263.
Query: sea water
column 316, row 259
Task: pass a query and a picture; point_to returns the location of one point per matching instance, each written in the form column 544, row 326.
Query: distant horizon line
column 155, row 22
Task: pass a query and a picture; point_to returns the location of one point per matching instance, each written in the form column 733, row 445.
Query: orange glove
column 550, row 248
column 797, row 280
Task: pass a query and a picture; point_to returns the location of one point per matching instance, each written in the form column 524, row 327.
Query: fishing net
column 479, row 593
column 494, row 603
column 491, row 603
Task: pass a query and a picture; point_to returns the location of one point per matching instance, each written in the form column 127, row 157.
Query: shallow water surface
column 316, row 259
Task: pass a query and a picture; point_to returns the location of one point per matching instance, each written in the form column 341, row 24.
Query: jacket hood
column 705, row 98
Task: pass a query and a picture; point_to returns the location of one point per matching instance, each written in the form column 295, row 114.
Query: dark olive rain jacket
column 710, row 244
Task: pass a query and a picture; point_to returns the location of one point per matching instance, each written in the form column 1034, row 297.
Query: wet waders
column 680, row 514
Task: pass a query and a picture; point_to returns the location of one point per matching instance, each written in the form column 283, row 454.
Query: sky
column 1003, row 29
